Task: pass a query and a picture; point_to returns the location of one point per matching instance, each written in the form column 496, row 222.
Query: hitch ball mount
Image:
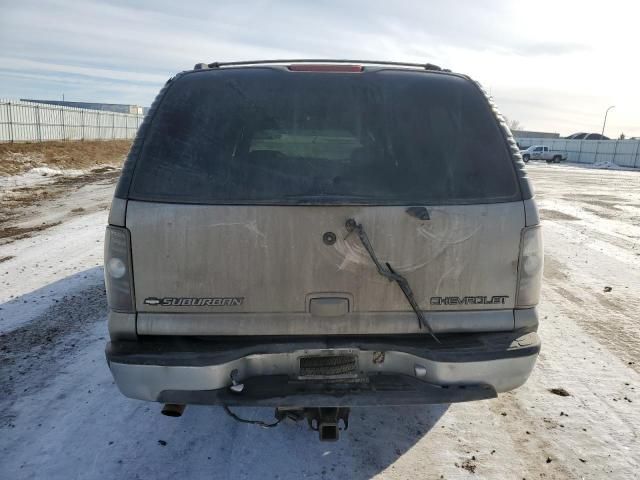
column 324, row 420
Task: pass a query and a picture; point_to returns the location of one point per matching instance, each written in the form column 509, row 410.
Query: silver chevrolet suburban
column 320, row 234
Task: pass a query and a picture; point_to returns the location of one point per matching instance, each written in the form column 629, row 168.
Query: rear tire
column 557, row 159
column 525, row 158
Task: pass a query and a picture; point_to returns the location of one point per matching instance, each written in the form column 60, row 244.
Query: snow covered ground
column 61, row 416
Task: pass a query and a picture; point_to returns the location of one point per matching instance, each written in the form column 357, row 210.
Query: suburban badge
column 195, row 301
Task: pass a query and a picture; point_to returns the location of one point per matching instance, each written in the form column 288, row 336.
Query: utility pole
column 605, row 118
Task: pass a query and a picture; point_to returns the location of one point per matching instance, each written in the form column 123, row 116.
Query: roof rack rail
column 426, row 66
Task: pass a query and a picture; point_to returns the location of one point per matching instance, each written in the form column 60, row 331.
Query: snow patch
column 36, row 176
column 605, row 165
column 609, row 166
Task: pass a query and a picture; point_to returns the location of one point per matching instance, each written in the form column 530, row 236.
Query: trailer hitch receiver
column 324, row 420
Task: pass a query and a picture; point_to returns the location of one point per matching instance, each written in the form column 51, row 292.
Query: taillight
column 530, row 266
column 117, row 269
column 325, row 68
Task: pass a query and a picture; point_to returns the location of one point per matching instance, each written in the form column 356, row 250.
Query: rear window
column 271, row 136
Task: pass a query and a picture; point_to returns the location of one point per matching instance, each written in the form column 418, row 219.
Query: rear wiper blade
column 388, row 272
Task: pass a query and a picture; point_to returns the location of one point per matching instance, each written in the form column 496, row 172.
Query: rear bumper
column 390, row 371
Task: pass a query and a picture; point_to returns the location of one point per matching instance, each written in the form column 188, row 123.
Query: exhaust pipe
column 173, row 409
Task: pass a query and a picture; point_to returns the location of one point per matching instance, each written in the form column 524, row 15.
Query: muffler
column 173, row 409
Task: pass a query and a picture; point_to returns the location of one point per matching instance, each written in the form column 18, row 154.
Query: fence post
column 38, row 123
column 579, row 151
column 635, row 159
column 615, row 152
column 10, row 122
column 82, row 124
column 64, row 128
column 113, row 126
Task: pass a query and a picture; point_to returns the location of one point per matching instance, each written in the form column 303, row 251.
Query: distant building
column 587, row 136
column 530, row 134
column 107, row 107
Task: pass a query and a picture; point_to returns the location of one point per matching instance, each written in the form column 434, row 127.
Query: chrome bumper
column 389, row 372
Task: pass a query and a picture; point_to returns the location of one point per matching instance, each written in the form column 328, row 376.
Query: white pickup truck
column 541, row 152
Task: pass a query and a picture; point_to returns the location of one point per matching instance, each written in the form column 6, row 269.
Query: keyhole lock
column 329, row 238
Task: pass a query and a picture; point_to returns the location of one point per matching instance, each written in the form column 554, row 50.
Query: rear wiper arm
column 388, row 272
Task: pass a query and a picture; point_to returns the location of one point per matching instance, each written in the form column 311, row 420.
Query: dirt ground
column 17, row 158
column 578, row 416
column 20, row 204
column 33, row 175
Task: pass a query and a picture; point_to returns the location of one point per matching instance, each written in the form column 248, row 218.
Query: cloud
column 546, row 49
column 124, row 51
column 16, row 64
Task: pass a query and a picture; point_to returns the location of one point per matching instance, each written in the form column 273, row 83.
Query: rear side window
column 271, row 136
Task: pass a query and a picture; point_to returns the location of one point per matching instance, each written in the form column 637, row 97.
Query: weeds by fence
column 33, row 122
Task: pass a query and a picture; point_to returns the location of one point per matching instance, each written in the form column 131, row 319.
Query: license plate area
column 328, row 366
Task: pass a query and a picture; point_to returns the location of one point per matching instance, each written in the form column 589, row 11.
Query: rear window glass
column 270, row 136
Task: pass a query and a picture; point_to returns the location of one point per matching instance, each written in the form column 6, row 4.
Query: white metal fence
column 624, row 153
column 35, row 122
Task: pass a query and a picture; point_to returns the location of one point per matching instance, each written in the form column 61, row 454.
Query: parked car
column 542, row 152
column 317, row 235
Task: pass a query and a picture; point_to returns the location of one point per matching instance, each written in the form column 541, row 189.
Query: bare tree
column 513, row 124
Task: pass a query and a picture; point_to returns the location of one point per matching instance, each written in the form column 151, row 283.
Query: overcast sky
column 552, row 65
